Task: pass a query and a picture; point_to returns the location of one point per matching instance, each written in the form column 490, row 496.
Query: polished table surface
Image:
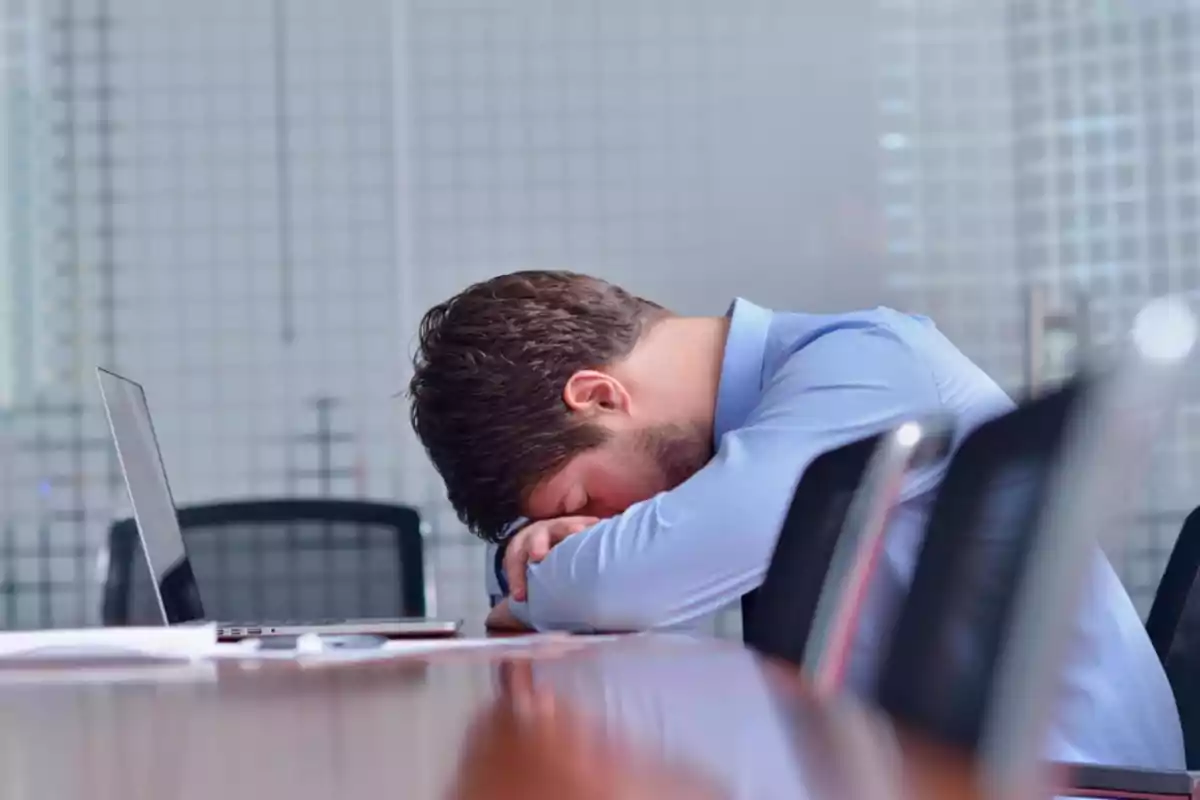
column 609, row 717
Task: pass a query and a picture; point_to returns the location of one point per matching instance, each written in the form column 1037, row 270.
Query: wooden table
column 563, row 719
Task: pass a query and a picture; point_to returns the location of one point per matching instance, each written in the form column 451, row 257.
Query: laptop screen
column 150, row 496
column 939, row 675
column 782, row 616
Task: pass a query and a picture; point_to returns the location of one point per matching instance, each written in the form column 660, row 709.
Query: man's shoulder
column 870, row 365
column 794, row 329
column 814, row 341
column 898, row 351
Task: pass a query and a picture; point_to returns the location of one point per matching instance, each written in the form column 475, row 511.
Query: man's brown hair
column 488, row 381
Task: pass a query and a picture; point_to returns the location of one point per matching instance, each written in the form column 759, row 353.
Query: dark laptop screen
column 779, row 620
column 180, row 594
column 940, row 670
column 150, row 495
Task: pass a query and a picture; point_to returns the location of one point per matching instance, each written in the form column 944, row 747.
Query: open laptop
column 979, row 534
column 807, row 606
column 1011, row 539
column 174, row 583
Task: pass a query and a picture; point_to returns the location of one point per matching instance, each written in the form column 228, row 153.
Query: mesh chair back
column 1174, row 628
column 304, row 560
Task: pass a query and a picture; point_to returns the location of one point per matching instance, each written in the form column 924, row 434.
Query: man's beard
column 679, row 451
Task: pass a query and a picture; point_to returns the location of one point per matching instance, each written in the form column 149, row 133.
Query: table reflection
column 636, row 717
column 691, row 719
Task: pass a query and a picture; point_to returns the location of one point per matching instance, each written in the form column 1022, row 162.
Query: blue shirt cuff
column 497, row 560
column 498, row 567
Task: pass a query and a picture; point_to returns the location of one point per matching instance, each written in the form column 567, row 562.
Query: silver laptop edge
column 860, row 538
column 399, row 628
column 169, row 523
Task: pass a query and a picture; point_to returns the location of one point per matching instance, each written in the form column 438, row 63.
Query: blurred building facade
column 1040, row 185
column 247, row 204
column 945, row 109
column 1106, row 186
column 22, row 203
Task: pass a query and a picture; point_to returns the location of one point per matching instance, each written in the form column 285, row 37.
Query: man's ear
column 592, row 393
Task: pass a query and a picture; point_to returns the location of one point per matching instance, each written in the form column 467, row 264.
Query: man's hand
column 532, row 543
column 501, row 618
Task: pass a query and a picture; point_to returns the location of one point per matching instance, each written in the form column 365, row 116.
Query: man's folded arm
column 692, row 551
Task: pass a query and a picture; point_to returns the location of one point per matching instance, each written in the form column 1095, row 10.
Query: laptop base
column 412, row 628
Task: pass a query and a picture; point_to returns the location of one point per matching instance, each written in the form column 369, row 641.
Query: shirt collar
column 742, row 366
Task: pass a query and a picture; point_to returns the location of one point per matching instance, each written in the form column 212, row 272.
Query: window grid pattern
column 945, row 144
column 1105, row 119
column 1096, row 180
column 223, row 230
column 247, row 206
column 254, row 201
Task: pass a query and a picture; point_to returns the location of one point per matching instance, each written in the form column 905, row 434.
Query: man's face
column 629, row 467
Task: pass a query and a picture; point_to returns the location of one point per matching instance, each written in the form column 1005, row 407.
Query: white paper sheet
column 63, row 672
column 175, row 643
column 396, row 648
column 136, row 648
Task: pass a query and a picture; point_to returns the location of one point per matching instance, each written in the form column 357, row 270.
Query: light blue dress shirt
column 792, row 387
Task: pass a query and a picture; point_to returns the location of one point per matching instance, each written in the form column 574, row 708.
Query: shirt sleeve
column 692, row 551
column 491, row 578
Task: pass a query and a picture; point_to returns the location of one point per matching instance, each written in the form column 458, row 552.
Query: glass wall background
column 247, row 204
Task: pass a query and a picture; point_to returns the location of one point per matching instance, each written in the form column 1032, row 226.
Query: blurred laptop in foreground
column 991, row 654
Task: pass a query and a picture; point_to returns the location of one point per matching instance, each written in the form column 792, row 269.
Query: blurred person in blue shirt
column 647, row 459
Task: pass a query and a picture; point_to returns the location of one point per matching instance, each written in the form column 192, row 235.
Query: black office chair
column 281, row 559
column 1174, row 628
